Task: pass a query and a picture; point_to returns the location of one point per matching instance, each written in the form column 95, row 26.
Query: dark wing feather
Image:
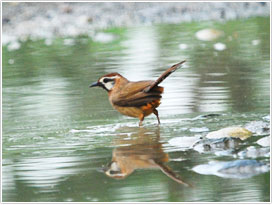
column 137, row 100
column 164, row 75
column 132, row 95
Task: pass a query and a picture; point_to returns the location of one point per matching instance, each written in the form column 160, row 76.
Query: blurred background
column 59, row 135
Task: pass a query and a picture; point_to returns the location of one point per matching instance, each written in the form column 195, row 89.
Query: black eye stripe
column 105, row 80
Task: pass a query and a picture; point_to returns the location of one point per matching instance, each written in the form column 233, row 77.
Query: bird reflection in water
column 140, row 150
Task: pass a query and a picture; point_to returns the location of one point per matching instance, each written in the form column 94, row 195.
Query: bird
column 143, row 150
column 135, row 99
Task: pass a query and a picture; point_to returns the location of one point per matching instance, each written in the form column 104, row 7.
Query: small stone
column 235, row 132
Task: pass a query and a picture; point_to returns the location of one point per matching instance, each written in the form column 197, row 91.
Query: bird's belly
column 138, row 112
column 129, row 111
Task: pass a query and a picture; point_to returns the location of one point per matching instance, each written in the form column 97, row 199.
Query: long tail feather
column 164, row 75
column 168, row 171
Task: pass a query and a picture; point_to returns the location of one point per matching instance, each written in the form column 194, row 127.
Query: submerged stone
column 235, row 132
column 208, row 145
column 232, row 169
column 254, row 152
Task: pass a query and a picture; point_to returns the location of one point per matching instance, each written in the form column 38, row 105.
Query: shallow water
column 59, row 136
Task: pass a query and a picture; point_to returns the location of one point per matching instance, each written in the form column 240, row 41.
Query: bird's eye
column 105, row 80
column 113, row 172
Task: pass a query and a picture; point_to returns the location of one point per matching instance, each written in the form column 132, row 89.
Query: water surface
column 59, row 135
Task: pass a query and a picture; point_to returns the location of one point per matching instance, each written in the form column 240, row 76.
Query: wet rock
column 258, row 127
column 208, row 145
column 265, row 141
column 208, row 34
column 235, row 132
column 183, row 142
column 232, row 169
column 254, row 152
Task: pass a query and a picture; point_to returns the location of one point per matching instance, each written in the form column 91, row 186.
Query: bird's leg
column 141, row 120
column 157, row 115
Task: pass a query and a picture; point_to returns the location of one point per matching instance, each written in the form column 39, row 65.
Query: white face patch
column 108, row 82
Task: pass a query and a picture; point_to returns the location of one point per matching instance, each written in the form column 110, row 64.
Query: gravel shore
column 50, row 19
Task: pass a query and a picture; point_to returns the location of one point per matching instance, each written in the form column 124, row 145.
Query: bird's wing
column 133, row 95
column 163, row 76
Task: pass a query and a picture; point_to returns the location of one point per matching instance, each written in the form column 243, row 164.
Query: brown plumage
column 135, row 99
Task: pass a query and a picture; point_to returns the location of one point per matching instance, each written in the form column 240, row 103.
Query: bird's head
column 107, row 82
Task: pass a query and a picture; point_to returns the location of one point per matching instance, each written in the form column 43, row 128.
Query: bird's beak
column 95, row 84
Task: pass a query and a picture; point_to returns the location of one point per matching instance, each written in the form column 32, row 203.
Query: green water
column 59, row 135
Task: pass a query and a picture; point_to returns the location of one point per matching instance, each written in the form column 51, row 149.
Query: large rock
column 235, row 132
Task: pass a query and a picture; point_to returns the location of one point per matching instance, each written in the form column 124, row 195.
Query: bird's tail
column 164, row 75
column 169, row 172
